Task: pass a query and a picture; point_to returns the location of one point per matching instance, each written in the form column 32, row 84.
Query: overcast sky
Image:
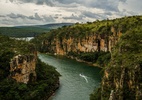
column 35, row 12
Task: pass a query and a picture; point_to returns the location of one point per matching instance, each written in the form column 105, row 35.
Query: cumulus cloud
column 19, row 19
column 94, row 15
column 102, row 4
column 17, row 12
column 15, row 16
column 80, row 17
column 123, row 0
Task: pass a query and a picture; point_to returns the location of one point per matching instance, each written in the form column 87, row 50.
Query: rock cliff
column 122, row 78
column 22, row 75
column 62, row 45
column 22, row 68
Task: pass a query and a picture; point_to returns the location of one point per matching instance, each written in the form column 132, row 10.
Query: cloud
column 90, row 14
column 48, row 11
column 19, row 19
column 15, row 16
column 38, row 2
column 110, row 5
column 48, row 18
column 80, row 17
column 123, row 0
column 2, row 15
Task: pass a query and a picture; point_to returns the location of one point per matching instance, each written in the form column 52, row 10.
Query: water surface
column 78, row 79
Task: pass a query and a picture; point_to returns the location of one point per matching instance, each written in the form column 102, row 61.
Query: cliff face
column 124, row 84
column 62, row 45
column 122, row 78
column 22, row 68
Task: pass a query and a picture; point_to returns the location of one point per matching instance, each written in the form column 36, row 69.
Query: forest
column 45, row 83
column 30, row 31
column 79, row 32
column 121, row 62
column 122, row 65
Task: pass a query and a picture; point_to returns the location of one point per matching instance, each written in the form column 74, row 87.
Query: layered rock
column 87, row 43
column 22, row 68
column 122, row 78
column 122, row 83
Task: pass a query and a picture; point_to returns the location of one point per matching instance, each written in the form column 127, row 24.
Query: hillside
column 22, row 75
column 30, row 31
column 81, row 41
column 112, row 44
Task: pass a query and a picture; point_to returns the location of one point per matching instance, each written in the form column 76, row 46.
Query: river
column 78, row 79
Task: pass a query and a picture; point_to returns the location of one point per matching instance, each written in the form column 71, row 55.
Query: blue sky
column 35, row 12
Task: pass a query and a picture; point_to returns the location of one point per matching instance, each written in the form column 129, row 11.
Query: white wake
column 84, row 77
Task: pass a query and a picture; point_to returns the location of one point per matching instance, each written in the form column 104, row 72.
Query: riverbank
column 80, row 60
column 72, row 85
column 77, row 59
column 49, row 97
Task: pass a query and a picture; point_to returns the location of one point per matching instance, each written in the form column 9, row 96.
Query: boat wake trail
column 84, row 77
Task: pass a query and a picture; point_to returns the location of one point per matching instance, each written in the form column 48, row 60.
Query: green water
column 78, row 79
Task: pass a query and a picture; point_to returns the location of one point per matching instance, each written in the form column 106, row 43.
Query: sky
column 39, row 12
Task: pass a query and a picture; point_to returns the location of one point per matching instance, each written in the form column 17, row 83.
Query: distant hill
column 30, row 31
column 49, row 26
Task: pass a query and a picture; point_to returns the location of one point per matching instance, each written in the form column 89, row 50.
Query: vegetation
column 29, row 31
column 127, row 57
column 96, row 95
column 46, row 83
column 99, row 58
column 22, row 32
column 47, row 77
column 97, row 27
column 78, row 32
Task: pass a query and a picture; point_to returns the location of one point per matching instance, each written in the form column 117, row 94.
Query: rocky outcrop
column 22, row 68
column 122, row 78
column 125, row 84
column 87, row 43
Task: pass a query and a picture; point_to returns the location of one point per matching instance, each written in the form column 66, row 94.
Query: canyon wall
column 122, row 78
column 122, row 83
column 62, row 45
column 22, row 68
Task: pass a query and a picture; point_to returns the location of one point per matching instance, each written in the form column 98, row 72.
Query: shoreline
column 89, row 63
column 49, row 97
column 75, row 58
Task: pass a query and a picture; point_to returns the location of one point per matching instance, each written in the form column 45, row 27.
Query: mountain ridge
column 30, row 31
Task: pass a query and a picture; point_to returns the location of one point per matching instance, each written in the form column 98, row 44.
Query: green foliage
column 30, row 31
column 101, row 58
column 47, row 80
column 22, row 32
column 47, row 70
column 5, row 57
column 81, row 31
column 47, row 77
column 129, row 48
column 96, row 95
column 127, row 53
column 127, row 57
